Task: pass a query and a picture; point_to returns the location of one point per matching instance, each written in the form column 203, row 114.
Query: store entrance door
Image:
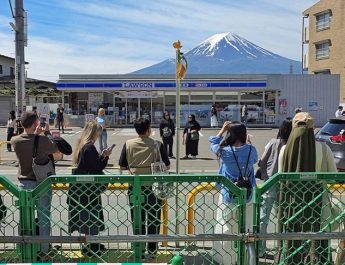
column 82, row 107
column 132, row 110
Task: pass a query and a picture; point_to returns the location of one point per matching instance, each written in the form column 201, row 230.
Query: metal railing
column 305, row 223
column 118, row 231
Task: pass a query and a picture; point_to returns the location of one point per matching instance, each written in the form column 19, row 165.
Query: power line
column 9, row 1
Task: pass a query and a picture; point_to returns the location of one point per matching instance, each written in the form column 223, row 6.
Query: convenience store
column 268, row 98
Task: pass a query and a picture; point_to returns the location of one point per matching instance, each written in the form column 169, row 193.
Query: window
column 323, row 21
column 322, row 50
column 323, row 72
column 1, row 69
column 11, row 71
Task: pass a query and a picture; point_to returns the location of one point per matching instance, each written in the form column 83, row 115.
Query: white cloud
column 124, row 36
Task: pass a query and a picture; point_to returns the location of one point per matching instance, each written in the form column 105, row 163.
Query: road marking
column 72, row 134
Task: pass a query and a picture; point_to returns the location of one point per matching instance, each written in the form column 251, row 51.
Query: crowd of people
column 293, row 150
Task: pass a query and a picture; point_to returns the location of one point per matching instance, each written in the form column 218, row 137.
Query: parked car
column 333, row 134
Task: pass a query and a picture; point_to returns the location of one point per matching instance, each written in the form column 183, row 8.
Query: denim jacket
column 228, row 166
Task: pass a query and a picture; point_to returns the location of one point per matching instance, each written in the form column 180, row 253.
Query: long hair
column 237, row 131
column 90, row 133
column 12, row 115
column 285, row 130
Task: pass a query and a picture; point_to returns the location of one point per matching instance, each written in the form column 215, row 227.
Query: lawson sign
column 222, row 85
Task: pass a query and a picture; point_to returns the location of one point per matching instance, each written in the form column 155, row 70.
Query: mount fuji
column 228, row 53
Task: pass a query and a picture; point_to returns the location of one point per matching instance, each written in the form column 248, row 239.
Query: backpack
column 167, row 132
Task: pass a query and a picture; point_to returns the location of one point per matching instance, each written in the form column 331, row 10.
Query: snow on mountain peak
column 216, row 44
column 213, row 40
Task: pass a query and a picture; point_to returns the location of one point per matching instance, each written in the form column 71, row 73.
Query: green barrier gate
column 303, row 217
column 89, row 220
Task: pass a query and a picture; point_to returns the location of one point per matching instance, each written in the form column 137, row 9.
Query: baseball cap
column 303, row 118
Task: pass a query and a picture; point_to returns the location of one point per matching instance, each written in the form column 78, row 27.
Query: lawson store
column 268, row 98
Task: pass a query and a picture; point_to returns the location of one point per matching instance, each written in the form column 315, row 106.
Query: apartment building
column 324, row 40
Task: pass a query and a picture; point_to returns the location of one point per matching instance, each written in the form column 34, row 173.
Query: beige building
column 324, row 40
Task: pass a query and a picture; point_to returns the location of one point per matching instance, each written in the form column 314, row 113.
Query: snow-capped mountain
column 228, row 53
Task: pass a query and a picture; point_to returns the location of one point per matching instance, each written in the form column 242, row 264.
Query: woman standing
column 11, row 127
column 84, row 200
column 191, row 137
column 214, row 121
column 167, row 132
column 300, row 204
column 103, row 136
column 237, row 159
column 268, row 166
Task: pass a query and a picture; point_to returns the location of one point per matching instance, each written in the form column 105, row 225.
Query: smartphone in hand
column 112, row 147
column 42, row 122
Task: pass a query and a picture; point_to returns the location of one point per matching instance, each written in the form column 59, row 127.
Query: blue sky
column 120, row 36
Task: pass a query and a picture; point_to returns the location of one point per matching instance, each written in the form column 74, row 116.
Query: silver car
column 333, row 134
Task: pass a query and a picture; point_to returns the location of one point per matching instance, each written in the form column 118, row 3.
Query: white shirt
column 338, row 113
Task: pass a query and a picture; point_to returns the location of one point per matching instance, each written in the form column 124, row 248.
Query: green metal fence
column 297, row 219
column 301, row 218
column 104, row 218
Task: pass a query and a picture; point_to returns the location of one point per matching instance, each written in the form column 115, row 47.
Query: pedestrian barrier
column 303, row 215
column 304, row 225
column 86, row 211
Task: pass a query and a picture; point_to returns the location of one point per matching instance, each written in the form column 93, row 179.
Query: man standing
column 23, row 146
column 339, row 112
column 136, row 156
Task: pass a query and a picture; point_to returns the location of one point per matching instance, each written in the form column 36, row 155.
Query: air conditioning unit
column 306, row 35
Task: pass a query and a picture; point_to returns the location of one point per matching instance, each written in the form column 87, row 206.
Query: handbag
column 194, row 135
column 162, row 190
column 41, row 171
column 244, row 181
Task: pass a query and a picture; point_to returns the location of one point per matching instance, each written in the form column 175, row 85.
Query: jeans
column 10, row 134
column 103, row 141
column 43, row 211
column 269, row 199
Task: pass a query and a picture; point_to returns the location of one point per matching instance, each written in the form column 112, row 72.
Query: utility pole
column 20, row 41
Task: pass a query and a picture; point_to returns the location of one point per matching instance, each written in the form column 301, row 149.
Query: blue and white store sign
column 205, row 85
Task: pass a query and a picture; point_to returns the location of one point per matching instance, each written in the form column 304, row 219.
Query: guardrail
column 120, row 233
column 303, row 225
column 309, row 208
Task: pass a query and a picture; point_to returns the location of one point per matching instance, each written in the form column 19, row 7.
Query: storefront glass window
column 227, row 96
column 120, row 110
column 251, row 95
column 157, row 107
column 270, row 104
column 170, row 103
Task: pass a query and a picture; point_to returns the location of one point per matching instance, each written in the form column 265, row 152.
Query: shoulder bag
column 244, row 181
column 194, row 135
column 41, row 171
column 162, row 190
